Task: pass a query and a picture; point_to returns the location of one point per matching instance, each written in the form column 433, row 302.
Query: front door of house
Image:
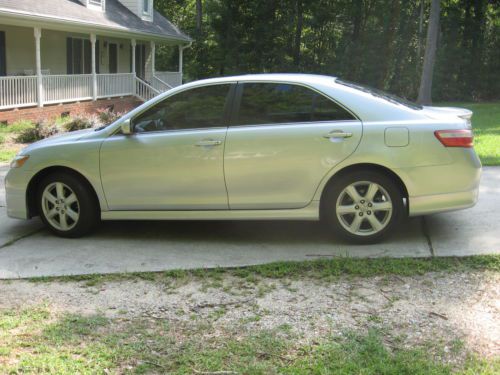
column 113, row 58
column 3, row 55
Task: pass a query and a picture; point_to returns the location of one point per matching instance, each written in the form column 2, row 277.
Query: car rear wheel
column 363, row 207
column 66, row 205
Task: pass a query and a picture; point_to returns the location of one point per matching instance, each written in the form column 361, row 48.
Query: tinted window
column 272, row 103
column 201, row 107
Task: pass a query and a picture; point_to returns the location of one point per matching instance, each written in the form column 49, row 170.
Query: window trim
column 228, row 105
column 239, row 95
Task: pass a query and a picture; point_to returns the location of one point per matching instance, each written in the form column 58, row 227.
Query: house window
column 96, row 2
column 78, row 56
column 145, row 6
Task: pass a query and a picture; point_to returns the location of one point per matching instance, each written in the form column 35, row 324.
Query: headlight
column 19, row 161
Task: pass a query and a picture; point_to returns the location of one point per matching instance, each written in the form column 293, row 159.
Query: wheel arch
column 31, row 190
column 371, row 168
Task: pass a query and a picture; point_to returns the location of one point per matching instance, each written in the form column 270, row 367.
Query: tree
column 425, row 91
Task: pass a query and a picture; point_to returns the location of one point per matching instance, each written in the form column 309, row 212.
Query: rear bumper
column 431, row 204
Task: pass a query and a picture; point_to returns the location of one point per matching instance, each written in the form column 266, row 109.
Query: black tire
column 333, row 193
column 87, row 205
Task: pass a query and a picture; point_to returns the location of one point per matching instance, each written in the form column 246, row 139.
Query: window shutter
column 3, row 64
column 97, row 58
column 87, row 58
column 69, row 55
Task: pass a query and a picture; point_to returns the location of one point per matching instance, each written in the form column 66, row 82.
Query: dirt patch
column 447, row 308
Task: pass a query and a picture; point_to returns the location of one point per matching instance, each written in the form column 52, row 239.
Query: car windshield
column 380, row 94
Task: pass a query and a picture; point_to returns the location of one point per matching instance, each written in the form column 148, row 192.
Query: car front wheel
column 363, row 207
column 66, row 205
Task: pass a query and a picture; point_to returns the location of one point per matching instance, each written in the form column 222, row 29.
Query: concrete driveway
column 28, row 250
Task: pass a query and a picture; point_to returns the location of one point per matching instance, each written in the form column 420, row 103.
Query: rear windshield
column 380, row 94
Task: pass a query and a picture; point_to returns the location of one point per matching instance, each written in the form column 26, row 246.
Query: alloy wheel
column 364, row 208
column 60, row 206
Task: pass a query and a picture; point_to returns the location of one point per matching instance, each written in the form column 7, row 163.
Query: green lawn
column 486, row 125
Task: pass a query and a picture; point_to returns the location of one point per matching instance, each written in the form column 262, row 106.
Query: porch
column 41, row 67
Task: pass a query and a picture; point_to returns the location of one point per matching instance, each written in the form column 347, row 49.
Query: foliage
column 80, row 122
column 108, row 116
column 376, row 42
column 42, row 129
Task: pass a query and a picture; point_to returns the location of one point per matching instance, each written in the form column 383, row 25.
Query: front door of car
column 174, row 158
column 282, row 142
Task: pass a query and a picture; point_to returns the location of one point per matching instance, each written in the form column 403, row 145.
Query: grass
column 317, row 269
column 36, row 340
column 486, row 125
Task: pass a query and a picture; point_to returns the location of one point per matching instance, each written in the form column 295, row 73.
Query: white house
column 62, row 51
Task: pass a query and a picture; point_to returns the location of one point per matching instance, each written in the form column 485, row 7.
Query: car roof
column 270, row 77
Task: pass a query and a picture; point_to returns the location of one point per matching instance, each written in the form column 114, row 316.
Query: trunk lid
column 439, row 113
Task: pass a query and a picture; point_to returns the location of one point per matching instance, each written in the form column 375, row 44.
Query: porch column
column 133, row 43
column 93, row 40
column 38, row 35
column 153, row 53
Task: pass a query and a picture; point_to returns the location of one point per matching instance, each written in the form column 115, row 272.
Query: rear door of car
column 282, row 140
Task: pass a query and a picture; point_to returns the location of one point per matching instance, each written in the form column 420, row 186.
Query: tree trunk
column 424, row 94
column 199, row 13
column 298, row 32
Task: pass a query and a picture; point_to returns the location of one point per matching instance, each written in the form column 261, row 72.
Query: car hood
column 60, row 138
column 446, row 112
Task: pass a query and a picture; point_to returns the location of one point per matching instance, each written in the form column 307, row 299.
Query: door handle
column 208, row 142
column 338, row 134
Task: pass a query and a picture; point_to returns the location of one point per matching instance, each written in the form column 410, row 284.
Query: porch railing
column 109, row 85
column 67, row 88
column 160, row 85
column 145, row 91
column 18, row 91
column 173, row 79
column 22, row 91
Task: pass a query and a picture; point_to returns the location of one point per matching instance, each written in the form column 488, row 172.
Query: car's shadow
column 273, row 232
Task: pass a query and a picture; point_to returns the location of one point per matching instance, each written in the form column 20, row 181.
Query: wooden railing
column 173, row 79
column 109, row 85
column 18, row 92
column 160, row 85
column 22, row 91
column 67, row 88
column 144, row 91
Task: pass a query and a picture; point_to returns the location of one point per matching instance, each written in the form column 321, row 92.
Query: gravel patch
column 442, row 307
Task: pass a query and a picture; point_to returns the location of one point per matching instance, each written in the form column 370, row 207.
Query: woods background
column 380, row 43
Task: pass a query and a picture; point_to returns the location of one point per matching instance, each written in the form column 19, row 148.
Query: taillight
column 455, row 138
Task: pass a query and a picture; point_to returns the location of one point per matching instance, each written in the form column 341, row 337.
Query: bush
column 108, row 116
column 42, row 129
column 81, row 122
column 2, row 139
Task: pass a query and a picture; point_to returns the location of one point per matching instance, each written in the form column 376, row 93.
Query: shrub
column 42, row 129
column 2, row 139
column 81, row 122
column 108, row 116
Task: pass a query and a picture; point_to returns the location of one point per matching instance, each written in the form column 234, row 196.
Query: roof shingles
column 116, row 16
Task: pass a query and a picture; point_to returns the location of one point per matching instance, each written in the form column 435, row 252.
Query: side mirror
column 126, row 127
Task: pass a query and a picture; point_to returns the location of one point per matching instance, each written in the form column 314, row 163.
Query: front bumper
column 16, row 184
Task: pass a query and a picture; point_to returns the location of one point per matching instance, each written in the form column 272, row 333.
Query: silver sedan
column 265, row 147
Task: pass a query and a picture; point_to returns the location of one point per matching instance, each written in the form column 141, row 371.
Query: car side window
column 274, row 103
column 200, row 107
